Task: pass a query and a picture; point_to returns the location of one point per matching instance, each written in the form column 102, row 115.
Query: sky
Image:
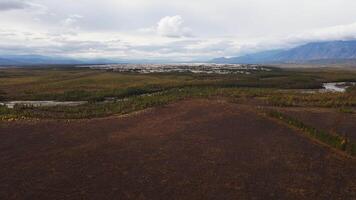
column 184, row 30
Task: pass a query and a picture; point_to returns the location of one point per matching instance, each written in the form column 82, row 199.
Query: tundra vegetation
column 109, row 93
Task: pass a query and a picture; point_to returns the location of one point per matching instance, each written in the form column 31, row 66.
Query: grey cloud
column 6, row 5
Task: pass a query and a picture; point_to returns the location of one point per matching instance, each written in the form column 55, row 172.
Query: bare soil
column 194, row 149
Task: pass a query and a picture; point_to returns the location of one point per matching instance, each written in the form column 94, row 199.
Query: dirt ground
column 330, row 120
column 194, row 149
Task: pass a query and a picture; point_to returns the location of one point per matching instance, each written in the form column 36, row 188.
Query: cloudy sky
column 181, row 30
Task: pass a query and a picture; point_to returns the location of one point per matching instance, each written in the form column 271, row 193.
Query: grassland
column 207, row 135
column 276, row 87
column 133, row 91
column 191, row 149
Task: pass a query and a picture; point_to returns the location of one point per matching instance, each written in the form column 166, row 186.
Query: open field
column 188, row 150
column 265, row 135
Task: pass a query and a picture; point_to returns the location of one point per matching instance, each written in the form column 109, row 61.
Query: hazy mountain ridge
column 23, row 60
column 250, row 58
column 44, row 60
column 315, row 52
column 35, row 59
column 333, row 51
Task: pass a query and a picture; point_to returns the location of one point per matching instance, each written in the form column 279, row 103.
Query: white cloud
column 233, row 28
column 172, row 26
column 340, row 32
column 71, row 20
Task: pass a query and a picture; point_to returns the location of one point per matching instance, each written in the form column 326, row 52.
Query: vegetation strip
column 101, row 109
column 109, row 93
column 337, row 141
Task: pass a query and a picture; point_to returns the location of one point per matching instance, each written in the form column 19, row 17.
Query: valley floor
column 191, row 149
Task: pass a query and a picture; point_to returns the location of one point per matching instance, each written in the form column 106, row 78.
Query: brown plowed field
column 194, row 149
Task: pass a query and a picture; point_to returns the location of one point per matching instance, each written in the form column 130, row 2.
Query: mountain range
column 315, row 52
column 29, row 60
column 49, row 60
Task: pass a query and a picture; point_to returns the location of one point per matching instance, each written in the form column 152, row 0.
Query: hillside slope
column 340, row 51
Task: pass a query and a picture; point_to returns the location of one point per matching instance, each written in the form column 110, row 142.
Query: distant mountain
column 320, row 50
column 316, row 53
column 312, row 52
column 23, row 60
column 4, row 61
column 48, row 60
column 250, row 58
column 35, row 60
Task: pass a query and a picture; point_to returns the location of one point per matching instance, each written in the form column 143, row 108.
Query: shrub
column 334, row 140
